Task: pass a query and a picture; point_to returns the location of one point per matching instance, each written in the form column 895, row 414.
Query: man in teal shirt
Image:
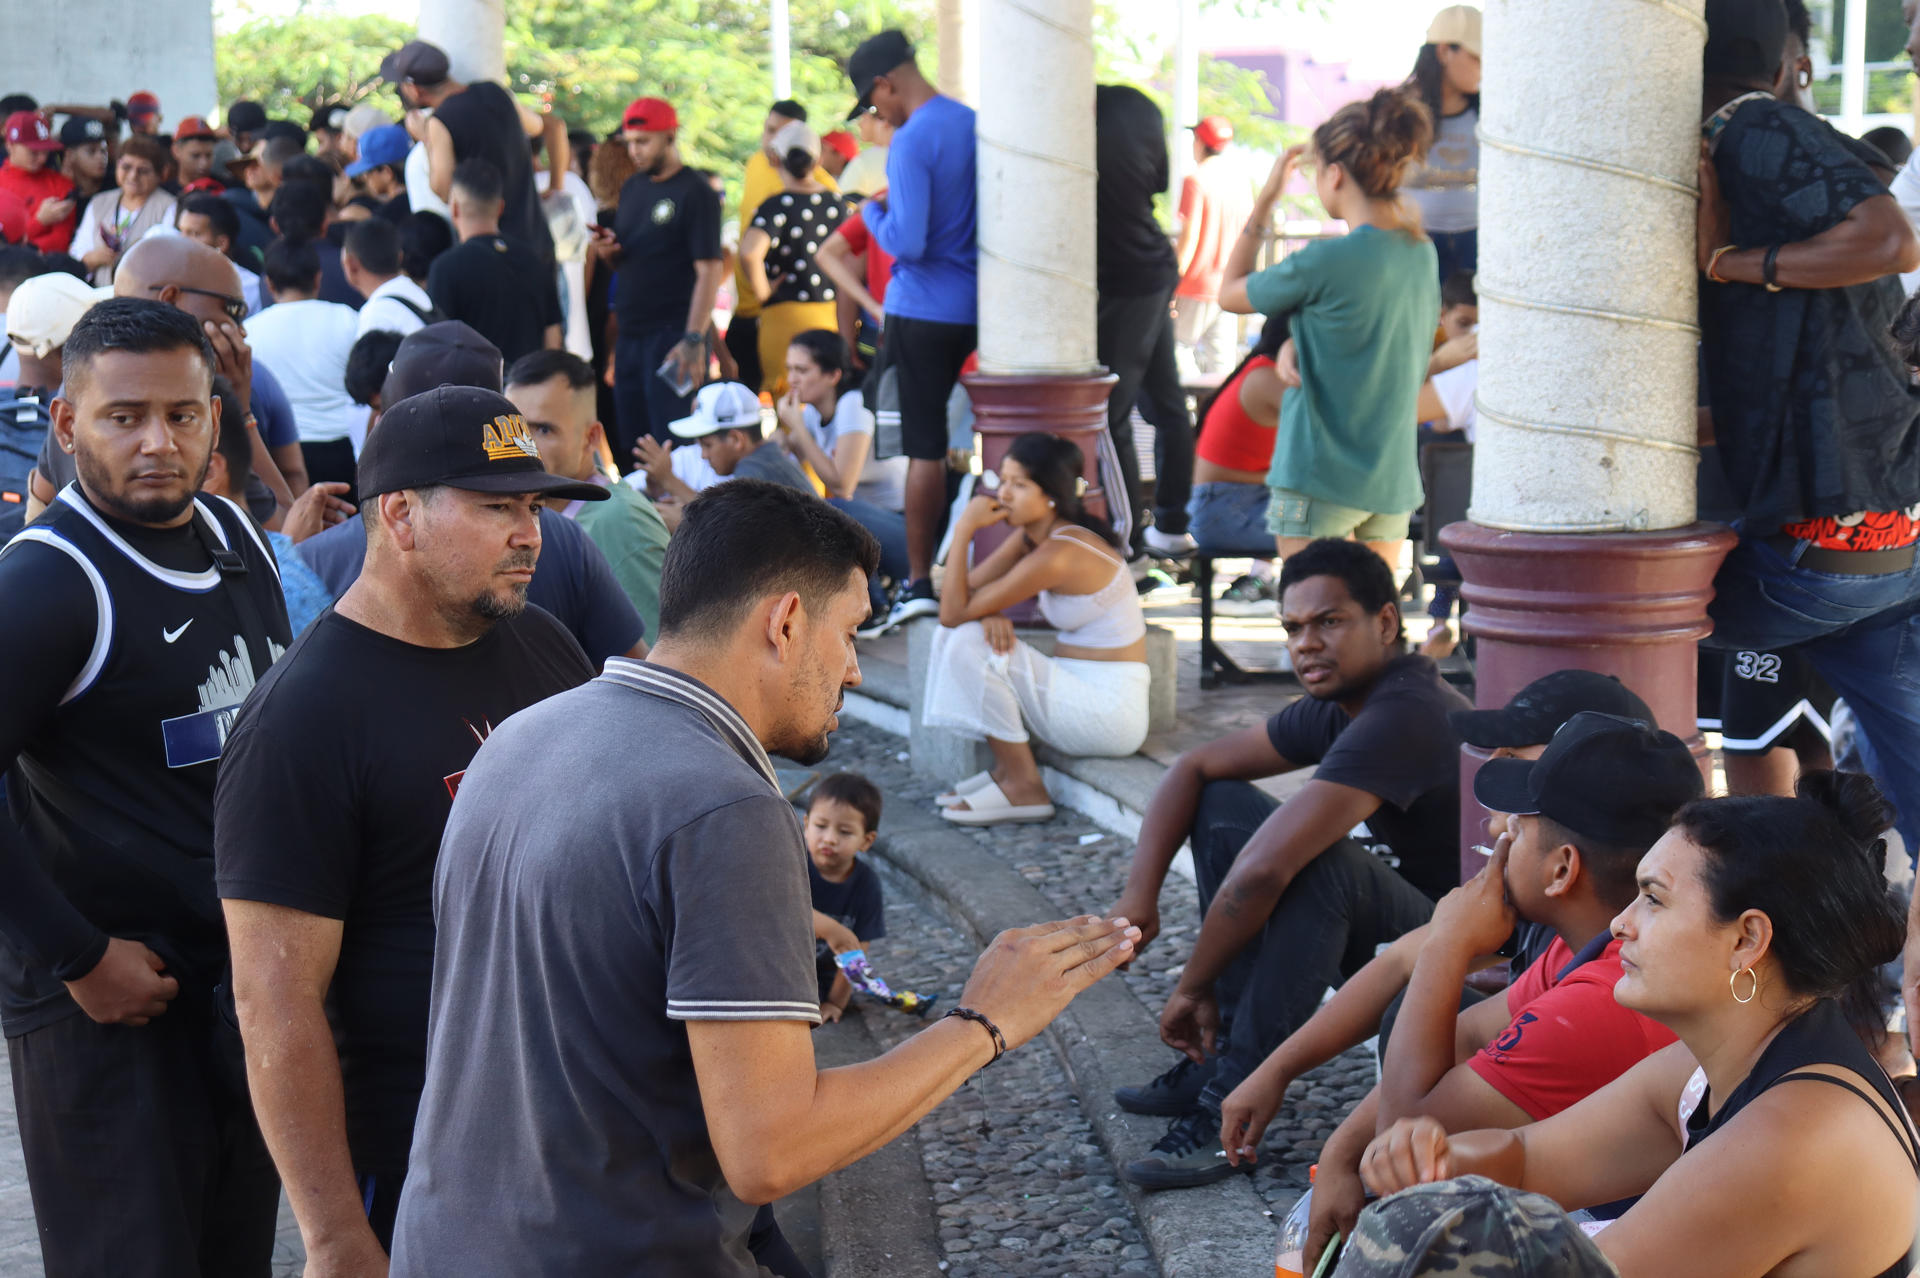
column 555, row 392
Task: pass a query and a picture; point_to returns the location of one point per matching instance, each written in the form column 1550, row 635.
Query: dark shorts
column 925, row 357
column 1759, row 700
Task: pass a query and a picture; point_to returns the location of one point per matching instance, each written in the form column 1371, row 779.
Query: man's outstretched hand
column 1029, row 974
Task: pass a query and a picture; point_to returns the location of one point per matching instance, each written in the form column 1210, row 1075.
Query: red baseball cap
column 843, row 142
column 143, row 103
column 650, row 115
column 26, row 128
column 1214, row 133
column 194, row 126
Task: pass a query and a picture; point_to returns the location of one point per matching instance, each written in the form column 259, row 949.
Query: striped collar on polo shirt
column 671, row 685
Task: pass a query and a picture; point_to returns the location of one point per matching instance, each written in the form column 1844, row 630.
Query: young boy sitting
column 842, row 822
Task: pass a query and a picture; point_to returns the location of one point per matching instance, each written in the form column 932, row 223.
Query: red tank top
column 1228, row 437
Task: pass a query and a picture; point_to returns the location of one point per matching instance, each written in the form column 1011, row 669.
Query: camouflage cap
column 1470, row 1226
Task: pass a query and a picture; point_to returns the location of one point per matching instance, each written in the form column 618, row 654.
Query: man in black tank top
column 142, row 618
column 484, row 121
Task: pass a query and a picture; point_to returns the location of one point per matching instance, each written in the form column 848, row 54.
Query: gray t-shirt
column 590, row 896
column 771, row 463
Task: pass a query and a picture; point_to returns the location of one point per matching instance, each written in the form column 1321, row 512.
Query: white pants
column 1205, row 334
column 1076, row 706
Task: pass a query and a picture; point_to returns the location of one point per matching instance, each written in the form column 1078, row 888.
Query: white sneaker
column 907, row 607
column 1168, row 545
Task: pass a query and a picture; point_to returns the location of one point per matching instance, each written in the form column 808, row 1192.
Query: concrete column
column 957, row 24
column 1186, row 95
column 473, row 32
column 90, row 51
column 782, row 40
column 1581, row 548
column 1036, row 189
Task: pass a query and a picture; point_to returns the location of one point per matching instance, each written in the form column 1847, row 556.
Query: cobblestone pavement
column 1079, row 868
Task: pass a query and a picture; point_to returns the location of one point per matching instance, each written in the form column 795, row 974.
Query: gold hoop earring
column 1734, row 989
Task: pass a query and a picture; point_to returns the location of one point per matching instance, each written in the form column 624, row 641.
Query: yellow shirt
column 761, row 181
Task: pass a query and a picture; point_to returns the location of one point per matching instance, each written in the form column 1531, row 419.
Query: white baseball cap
column 720, row 406
column 45, row 308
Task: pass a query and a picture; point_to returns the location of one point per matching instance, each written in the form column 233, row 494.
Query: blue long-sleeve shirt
column 927, row 221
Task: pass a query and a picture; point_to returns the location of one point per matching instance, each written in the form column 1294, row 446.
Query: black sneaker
column 917, row 600
column 1174, row 1093
column 878, row 623
column 1188, row 1155
column 1248, row 596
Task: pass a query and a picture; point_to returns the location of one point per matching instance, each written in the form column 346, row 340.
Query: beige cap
column 1456, row 24
column 362, row 118
column 792, row 135
column 45, row 308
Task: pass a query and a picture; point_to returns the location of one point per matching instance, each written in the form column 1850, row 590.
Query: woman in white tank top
column 1090, row 696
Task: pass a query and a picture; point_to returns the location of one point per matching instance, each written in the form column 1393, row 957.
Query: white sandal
column 961, row 789
column 988, row 806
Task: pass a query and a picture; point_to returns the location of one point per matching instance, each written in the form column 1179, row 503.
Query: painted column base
column 1633, row 605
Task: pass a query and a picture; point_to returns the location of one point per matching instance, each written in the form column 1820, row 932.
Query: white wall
column 91, row 51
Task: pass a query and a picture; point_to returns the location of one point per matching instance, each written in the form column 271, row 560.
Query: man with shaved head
column 144, row 615
column 188, row 275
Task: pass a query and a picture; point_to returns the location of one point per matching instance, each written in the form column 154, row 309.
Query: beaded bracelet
column 999, row 1039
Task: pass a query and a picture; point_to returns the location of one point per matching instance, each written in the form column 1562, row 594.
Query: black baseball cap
column 246, row 117
column 418, row 61
column 1603, row 776
column 445, row 354
column 876, row 56
column 79, row 131
column 1538, row 710
column 1745, row 39
column 463, row 437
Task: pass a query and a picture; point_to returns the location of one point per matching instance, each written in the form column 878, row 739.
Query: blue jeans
column 889, row 528
column 1862, row 634
column 1458, row 251
column 644, row 403
column 1227, row 517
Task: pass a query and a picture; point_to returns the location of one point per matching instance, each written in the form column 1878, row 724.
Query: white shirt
column 689, row 467
column 306, row 344
column 420, row 196
column 866, row 173
column 1455, row 387
column 1906, row 189
column 383, row 312
column 883, row 482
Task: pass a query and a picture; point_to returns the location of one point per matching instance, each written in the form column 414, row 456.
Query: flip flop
column 988, row 806
column 961, row 789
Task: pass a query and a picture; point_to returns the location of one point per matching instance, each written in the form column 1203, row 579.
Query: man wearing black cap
column 1579, row 819
column 85, row 160
column 244, row 121
column 926, row 220
column 1816, row 417
column 481, row 120
column 574, row 583
column 336, row 785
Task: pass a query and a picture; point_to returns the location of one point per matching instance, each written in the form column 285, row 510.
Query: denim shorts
column 1225, row 517
column 1291, row 514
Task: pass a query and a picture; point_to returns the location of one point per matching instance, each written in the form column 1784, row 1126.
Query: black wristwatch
column 691, row 336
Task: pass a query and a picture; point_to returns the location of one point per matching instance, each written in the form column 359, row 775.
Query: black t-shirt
column 334, row 792
column 1814, row 412
column 484, row 121
column 124, row 656
column 856, row 905
column 498, row 286
column 1134, row 255
column 664, row 228
column 1399, row 748
column 797, row 225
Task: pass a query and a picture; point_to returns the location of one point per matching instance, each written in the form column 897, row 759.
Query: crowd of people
column 331, row 403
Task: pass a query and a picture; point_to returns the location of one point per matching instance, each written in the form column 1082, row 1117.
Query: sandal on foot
column 961, row 789
column 988, row 806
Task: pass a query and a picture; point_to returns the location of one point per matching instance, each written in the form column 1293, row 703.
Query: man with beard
column 140, row 619
column 666, row 252
column 329, row 821
column 629, row 932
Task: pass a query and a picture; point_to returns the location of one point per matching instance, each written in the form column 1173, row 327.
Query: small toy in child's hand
column 862, row 977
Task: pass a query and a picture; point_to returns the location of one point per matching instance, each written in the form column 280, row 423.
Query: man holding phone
column 665, row 253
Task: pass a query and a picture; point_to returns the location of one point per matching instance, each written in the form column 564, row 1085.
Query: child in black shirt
column 842, row 821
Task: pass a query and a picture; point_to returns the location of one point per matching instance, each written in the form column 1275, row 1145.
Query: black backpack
column 431, row 315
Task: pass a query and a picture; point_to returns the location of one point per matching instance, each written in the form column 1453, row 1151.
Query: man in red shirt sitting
column 25, row 176
column 1579, row 819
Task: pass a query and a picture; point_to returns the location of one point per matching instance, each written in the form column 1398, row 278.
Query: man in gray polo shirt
column 619, row 1058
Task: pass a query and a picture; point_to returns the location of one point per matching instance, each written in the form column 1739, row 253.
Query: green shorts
column 1291, row 514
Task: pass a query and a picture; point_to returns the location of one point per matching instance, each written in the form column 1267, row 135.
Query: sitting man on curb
column 1579, row 820
column 1291, row 903
column 727, row 424
column 1367, row 1003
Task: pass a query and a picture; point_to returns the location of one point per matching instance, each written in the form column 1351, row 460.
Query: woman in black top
column 1767, row 1141
column 778, row 251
